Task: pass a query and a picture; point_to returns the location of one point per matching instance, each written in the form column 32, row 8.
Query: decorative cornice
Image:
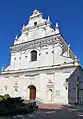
column 43, row 68
column 35, row 43
column 32, row 28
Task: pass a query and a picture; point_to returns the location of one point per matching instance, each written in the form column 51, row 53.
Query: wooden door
column 32, row 93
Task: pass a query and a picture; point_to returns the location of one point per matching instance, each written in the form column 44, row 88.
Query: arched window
column 33, row 55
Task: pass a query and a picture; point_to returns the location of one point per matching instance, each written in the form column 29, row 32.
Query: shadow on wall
column 73, row 87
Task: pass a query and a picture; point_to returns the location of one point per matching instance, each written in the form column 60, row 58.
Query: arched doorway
column 32, row 90
column 50, row 95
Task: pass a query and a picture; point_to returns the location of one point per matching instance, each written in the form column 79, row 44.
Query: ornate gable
column 37, row 27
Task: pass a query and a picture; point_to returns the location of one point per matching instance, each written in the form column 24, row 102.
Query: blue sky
column 15, row 13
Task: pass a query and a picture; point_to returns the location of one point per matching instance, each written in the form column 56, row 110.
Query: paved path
column 52, row 106
column 59, row 112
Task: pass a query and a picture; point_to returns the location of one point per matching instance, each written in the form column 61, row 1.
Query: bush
column 1, row 98
column 6, row 96
column 16, row 105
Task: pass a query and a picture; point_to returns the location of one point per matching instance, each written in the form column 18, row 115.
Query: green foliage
column 16, row 105
column 14, row 101
column 1, row 98
column 6, row 96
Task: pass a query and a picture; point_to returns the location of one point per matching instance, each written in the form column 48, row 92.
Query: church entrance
column 32, row 90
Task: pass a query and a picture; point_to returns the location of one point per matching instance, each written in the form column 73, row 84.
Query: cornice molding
column 41, row 42
column 39, row 69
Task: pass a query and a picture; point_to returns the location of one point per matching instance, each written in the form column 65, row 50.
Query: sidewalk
column 49, row 106
column 60, row 107
column 54, row 106
column 79, row 107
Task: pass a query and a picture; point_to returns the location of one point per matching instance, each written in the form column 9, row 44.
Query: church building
column 42, row 67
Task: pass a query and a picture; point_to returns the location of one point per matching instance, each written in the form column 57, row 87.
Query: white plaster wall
column 59, row 87
column 43, row 82
column 60, row 94
column 57, row 53
column 46, row 56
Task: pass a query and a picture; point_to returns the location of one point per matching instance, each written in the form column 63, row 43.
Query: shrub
column 6, row 96
column 16, row 105
column 1, row 98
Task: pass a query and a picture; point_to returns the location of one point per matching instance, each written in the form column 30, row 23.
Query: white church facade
column 42, row 67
